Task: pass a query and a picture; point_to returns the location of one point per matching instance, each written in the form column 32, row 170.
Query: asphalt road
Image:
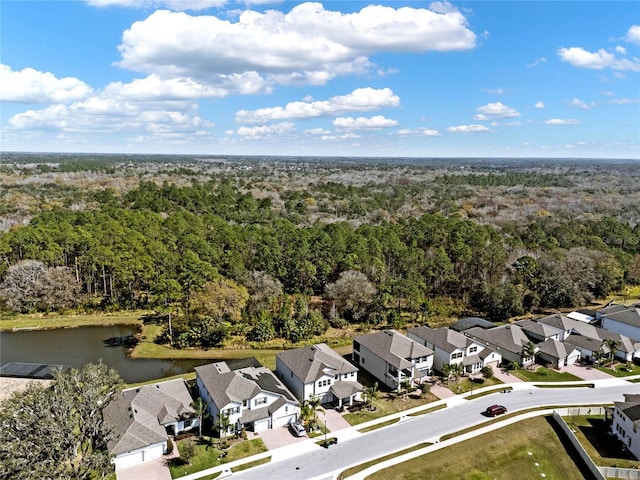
column 428, row 428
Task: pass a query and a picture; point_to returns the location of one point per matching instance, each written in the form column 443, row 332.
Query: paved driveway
column 585, row 372
column 152, row 470
column 277, row 437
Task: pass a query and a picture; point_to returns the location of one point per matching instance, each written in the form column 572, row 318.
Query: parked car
column 297, row 429
column 494, row 410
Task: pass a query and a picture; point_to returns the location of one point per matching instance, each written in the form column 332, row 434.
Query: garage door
column 129, row 459
column 260, row 425
column 284, row 420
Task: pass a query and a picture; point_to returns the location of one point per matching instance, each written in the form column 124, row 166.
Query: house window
column 261, row 400
column 353, row 374
column 356, row 346
column 187, row 423
column 473, row 349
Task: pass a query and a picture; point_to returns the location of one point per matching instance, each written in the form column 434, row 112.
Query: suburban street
column 323, row 463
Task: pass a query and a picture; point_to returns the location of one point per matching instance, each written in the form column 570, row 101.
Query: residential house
column 143, row 417
column 392, row 358
column 626, row 423
column 451, row 347
column 539, row 331
column 469, row 322
column 557, row 354
column 250, row 395
column 622, row 320
column 317, row 371
column 507, row 340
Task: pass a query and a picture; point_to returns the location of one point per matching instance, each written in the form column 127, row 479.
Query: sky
column 335, row 78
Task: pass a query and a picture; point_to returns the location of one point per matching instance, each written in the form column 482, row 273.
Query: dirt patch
column 9, row 385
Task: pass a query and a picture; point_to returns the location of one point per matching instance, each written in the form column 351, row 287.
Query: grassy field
column 207, row 455
column 387, row 404
column 9, row 322
column 543, row 374
column 525, row 450
column 466, row 385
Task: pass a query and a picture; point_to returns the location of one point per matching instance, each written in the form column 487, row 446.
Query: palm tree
column 612, row 344
column 306, row 413
column 529, row 351
column 315, row 403
column 222, row 425
column 371, row 394
column 200, row 410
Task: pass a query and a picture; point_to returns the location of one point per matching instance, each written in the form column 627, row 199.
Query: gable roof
column 443, row 337
column 631, row 410
column 314, row 361
column 470, row 322
column 507, row 337
column 137, row 416
column 629, row 316
column 393, row 347
column 540, row 329
column 234, row 386
column 554, row 348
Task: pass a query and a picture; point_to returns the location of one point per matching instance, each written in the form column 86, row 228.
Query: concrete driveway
column 585, row 372
column 277, row 437
column 152, row 470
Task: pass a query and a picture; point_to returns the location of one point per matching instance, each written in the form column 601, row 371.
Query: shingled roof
column 393, row 347
column 314, row 361
column 137, row 416
column 443, row 338
column 507, row 337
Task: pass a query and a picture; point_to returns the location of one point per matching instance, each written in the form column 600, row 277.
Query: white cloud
column 537, row 62
column 421, row 131
column 579, row 57
column 539, row 105
column 620, row 49
column 317, row 131
column 576, row 102
column 562, row 121
column 360, row 100
column 468, row 129
column 265, row 131
column 495, row 91
column 480, row 117
column 171, row 4
column 625, row 101
column 633, row 34
column 32, row 86
column 346, row 136
column 306, row 45
column 363, row 123
column 497, row 109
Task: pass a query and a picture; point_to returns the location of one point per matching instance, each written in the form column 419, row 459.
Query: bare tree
column 352, row 293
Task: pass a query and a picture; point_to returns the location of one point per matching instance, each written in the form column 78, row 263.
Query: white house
column 507, row 340
column 317, row 371
column 392, row 358
column 622, row 320
column 451, row 347
column 142, row 418
column 557, row 354
column 626, row 423
column 249, row 394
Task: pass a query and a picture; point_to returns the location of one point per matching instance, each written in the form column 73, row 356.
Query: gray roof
column 470, row 322
column 443, row 338
column 226, row 385
column 584, row 342
column 137, row 416
column 554, row 348
column 538, row 328
column 312, row 362
column 631, row 410
column 507, row 337
column 629, row 316
column 343, row 389
column 613, row 308
column 393, row 347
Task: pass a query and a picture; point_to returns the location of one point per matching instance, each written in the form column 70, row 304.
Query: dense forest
column 269, row 248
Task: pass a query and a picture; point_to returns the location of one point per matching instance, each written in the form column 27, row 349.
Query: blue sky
column 394, row 78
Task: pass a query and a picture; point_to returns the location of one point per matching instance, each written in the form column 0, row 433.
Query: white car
column 297, row 429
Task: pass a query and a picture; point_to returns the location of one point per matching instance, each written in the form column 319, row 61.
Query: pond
column 78, row 346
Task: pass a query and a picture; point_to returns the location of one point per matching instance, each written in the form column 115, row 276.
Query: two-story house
column 251, row 396
column 626, row 423
column 622, row 320
column 317, row 371
column 392, row 358
column 451, row 347
column 507, row 340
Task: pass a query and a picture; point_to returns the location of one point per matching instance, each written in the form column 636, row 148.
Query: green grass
column 247, row 465
column 207, row 454
column 466, row 385
column 379, row 425
column 620, row 370
column 428, row 410
column 387, row 404
column 484, row 394
column 9, row 322
column 511, row 452
column 593, row 434
column 543, row 374
column 363, row 466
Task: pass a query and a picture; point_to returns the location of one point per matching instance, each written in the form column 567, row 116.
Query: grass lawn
column 544, row 374
column 207, row 455
column 387, row 404
column 621, row 370
column 527, row 449
column 9, row 322
column 604, row 449
column 465, row 385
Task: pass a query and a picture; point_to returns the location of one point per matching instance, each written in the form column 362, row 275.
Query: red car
column 494, row 410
